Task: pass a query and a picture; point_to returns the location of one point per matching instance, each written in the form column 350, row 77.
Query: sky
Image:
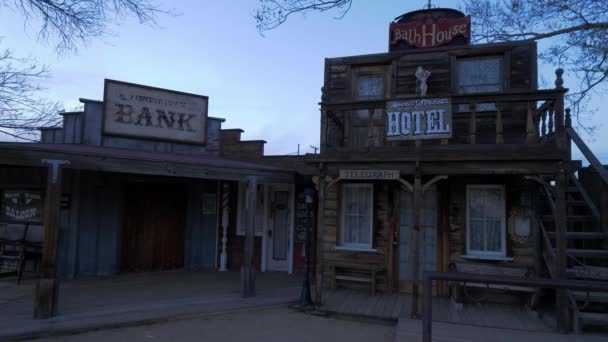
column 269, row 86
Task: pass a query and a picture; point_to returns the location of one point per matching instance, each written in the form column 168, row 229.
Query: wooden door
column 428, row 236
column 279, row 229
column 153, row 233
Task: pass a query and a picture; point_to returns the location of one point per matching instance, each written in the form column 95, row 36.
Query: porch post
column 47, row 288
column 416, row 244
column 247, row 272
column 319, row 239
column 225, row 219
column 560, row 246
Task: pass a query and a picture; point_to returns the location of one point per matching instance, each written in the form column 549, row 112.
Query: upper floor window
column 486, row 227
column 480, row 75
column 370, row 86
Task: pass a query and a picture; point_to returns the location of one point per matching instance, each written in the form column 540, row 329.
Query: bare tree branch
column 577, row 31
column 273, row 13
column 21, row 110
column 67, row 24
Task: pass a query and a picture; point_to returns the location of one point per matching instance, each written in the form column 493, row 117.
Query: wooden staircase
column 587, row 251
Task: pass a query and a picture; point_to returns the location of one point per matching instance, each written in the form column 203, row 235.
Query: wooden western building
column 146, row 181
column 446, row 156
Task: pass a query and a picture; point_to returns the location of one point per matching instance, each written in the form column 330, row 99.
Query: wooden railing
column 544, row 116
column 593, row 161
column 558, row 284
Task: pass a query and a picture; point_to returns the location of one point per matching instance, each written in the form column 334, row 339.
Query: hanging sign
column 369, row 174
column 419, row 119
column 21, row 206
column 430, row 32
column 304, row 217
column 153, row 113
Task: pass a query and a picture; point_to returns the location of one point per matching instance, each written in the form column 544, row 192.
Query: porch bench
column 358, row 273
column 493, row 270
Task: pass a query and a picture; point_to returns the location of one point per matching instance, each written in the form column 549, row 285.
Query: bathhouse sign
column 153, row 113
column 419, row 119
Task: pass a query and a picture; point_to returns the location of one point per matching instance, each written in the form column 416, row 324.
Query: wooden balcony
column 510, row 125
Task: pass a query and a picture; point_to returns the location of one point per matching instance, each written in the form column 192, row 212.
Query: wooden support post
column 47, row 288
column 370, row 133
column 319, row 240
column 499, row 136
column 225, row 222
column 561, row 185
column 604, row 211
column 473, row 123
column 530, row 129
column 247, row 271
column 415, row 243
column 559, row 111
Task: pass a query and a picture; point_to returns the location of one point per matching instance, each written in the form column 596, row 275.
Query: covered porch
column 127, row 299
column 88, row 203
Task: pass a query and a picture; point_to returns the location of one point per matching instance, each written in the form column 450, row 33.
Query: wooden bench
column 493, row 270
column 358, row 273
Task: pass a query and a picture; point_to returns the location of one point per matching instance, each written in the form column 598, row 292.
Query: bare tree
column 67, row 24
column 22, row 111
column 576, row 32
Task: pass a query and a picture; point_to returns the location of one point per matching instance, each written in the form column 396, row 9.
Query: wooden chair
column 15, row 252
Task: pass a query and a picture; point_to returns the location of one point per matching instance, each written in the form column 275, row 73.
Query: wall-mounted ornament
column 421, row 77
column 520, row 225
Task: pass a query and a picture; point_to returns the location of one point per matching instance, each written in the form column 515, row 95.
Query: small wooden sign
column 22, row 206
column 153, row 113
column 419, row 119
column 369, row 174
column 304, row 217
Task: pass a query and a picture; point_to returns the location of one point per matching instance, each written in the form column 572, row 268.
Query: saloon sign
column 419, row 119
column 153, row 113
column 429, row 33
column 21, row 206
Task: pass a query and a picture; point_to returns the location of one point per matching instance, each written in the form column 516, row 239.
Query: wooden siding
column 86, row 128
column 450, row 246
column 348, row 129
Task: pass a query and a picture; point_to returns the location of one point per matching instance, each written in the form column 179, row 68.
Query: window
column 259, row 210
column 486, row 229
column 357, row 216
column 370, row 86
column 480, row 75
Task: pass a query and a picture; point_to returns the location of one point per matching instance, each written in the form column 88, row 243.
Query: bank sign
column 419, row 119
column 430, row 33
column 153, row 113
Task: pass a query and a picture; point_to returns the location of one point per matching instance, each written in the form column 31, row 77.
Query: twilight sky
column 268, row 86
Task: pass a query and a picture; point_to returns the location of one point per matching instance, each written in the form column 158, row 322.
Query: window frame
column 478, row 254
column 355, row 246
column 382, row 71
column 504, row 76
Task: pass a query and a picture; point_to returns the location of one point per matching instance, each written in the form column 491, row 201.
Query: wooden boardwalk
column 394, row 307
column 359, row 303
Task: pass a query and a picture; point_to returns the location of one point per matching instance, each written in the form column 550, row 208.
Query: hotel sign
column 153, row 113
column 369, row 174
column 419, row 119
column 430, row 33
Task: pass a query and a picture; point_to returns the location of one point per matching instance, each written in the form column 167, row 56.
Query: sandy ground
column 275, row 324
